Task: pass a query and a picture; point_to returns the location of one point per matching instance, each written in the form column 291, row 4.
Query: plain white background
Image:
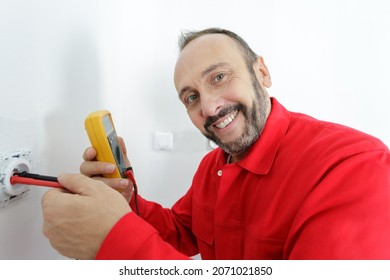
column 60, row 60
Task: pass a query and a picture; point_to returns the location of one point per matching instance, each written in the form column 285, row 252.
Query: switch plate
column 163, row 141
column 5, row 160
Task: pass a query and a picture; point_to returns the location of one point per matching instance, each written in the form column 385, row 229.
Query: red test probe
column 27, row 178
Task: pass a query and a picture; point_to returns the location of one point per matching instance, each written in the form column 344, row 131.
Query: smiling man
column 282, row 185
column 223, row 90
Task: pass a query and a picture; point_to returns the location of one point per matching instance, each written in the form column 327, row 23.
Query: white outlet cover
column 163, row 141
column 5, row 160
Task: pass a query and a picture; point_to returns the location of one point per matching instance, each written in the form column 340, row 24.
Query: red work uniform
column 307, row 189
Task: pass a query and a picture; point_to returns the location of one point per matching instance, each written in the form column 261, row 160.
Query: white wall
column 49, row 81
column 59, row 60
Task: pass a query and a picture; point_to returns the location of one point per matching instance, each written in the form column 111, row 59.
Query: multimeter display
column 103, row 137
column 114, row 145
column 107, row 124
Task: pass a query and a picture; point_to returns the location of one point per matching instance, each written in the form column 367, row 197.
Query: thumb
column 78, row 183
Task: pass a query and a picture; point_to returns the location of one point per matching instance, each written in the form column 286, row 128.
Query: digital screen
column 108, row 127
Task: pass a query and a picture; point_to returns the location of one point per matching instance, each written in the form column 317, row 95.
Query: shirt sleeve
column 157, row 233
column 347, row 216
column 134, row 239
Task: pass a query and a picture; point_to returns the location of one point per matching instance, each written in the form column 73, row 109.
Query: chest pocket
column 203, row 228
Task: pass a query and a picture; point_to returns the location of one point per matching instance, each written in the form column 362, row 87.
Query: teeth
column 227, row 121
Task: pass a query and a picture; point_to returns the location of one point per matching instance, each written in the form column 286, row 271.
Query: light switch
column 163, row 141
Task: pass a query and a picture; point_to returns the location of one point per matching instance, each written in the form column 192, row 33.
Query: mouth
column 224, row 123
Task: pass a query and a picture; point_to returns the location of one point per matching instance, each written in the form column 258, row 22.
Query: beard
column 255, row 119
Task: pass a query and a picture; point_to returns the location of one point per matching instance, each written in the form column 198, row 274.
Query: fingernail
column 91, row 153
column 109, row 168
column 123, row 183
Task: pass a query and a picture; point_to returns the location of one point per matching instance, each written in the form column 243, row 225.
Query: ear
column 262, row 72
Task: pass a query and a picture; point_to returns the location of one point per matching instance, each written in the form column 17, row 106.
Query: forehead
column 210, row 49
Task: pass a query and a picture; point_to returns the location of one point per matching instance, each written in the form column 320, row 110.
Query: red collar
column 261, row 155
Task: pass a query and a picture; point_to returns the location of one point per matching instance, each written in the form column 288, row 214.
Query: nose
column 211, row 103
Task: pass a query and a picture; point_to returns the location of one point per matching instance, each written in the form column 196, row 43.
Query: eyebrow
column 207, row 71
column 212, row 67
column 182, row 91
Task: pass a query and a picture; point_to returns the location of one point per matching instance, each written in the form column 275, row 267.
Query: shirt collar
column 261, row 155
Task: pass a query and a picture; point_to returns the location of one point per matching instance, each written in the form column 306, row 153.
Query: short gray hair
column 249, row 55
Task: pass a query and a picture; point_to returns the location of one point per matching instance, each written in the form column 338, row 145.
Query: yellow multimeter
column 102, row 135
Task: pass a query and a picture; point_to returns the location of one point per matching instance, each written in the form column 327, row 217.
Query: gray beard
column 255, row 119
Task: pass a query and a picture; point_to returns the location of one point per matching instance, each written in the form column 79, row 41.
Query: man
column 282, row 186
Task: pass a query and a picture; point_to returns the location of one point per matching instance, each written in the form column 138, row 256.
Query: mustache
column 224, row 112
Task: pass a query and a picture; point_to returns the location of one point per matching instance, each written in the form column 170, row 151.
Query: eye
column 219, row 77
column 190, row 99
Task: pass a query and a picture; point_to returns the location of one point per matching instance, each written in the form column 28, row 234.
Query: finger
column 124, row 150
column 127, row 193
column 91, row 168
column 52, row 200
column 52, row 193
column 79, row 184
column 89, row 154
column 123, row 145
column 116, row 183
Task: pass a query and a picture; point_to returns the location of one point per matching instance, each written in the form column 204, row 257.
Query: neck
column 235, row 158
column 229, row 159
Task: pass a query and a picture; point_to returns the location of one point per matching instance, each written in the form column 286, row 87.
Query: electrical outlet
column 10, row 163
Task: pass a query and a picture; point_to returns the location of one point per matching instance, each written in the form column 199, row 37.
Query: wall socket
column 11, row 163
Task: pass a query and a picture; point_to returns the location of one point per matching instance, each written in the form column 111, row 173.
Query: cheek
column 196, row 119
column 239, row 91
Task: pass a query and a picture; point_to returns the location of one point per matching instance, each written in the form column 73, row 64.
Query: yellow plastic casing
column 101, row 131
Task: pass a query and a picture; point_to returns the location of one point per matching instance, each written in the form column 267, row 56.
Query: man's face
column 226, row 102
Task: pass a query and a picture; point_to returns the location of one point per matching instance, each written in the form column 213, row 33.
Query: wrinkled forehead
column 204, row 51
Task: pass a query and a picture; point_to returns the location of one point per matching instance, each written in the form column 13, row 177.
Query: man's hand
column 95, row 169
column 78, row 218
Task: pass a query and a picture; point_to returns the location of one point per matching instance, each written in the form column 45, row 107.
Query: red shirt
column 307, row 189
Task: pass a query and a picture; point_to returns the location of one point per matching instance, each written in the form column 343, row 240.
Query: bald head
column 248, row 54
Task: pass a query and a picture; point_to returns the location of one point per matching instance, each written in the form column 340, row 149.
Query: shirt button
column 219, row 172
